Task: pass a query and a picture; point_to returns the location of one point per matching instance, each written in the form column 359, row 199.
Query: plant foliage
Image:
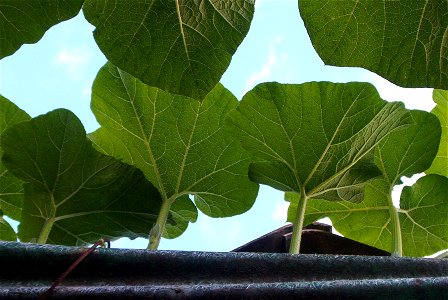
column 173, row 140
column 181, row 46
column 182, row 145
column 73, row 194
column 25, row 22
column 403, row 41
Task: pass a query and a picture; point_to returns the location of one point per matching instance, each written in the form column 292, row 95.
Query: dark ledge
column 27, row 270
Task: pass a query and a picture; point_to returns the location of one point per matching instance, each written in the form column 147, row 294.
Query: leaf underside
column 25, row 22
column 83, row 193
column 182, row 145
column 403, row 41
column 423, row 209
column 318, row 136
column 180, row 46
column 11, row 188
column 440, row 163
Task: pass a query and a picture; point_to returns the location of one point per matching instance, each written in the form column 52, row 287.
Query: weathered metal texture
column 27, row 270
column 316, row 239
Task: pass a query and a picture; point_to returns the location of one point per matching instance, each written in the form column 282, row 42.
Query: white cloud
column 420, row 98
column 280, row 211
column 73, row 61
column 266, row 70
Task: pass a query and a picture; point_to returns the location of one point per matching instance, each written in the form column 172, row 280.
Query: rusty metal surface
column 27, row 270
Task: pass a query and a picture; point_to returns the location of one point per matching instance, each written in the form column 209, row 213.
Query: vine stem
column 397, row 242
column 296, row 237
column 156, row 232
column 45, row 232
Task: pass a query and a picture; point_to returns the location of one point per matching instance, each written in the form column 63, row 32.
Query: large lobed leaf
column 403, row 41
column 423, row 211
column 180, row 46
column 182, row 145
column 74, row 194
column 317, row 136
column 440, row 163
column 11, row 188
column 25, row 22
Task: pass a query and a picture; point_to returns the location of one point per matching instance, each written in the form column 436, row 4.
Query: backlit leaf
column 183, row 146
column 423, row 211
column 319, row 136
column 182, row 212
column 11, row 188
column 74, row 194
column 25, row 22
column 403, row 41
column 180, row 46
column 440, row 163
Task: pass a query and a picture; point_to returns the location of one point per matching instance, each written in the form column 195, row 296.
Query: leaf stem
column 397, row 243
column 45, row 232
column 296, row 237
column 156, row 232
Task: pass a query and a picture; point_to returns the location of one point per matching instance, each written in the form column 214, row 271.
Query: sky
column 58, row 72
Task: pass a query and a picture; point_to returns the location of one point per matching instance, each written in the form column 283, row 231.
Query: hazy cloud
column 73, row 61
column 280, row 211
column 420, row 98
column 267, row 68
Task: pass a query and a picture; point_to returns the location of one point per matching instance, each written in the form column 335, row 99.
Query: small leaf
column 411, row 150
column 182, row 212
column 403, row 153
column 74, row 194
column 440, row 163
column 25, row 22
column 11, row 188
column 424, row 215
column 6, row 231
column 317, row 136
column 182, row 145
column 180, row 46
column 403, row 41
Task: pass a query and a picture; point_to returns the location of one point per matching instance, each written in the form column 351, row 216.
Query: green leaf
column 182, row 212
column 6, row 231
column 402, row 153
column 11, row 188
column 318, row 136
column 409, row 151
column 25, row 22
column 440, row 163
column 403, row 41
column 182, row 145
column 180, row 46
column 74, row 194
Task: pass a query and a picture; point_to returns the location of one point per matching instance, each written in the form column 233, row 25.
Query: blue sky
column 59, row 71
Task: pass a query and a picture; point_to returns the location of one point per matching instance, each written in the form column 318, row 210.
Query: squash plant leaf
column 403, row 41
column 422, row 221
column 183, row 146
column 74, row 194
column 25, row 22
column 6, row 231
column 317, row 138
column 182, row 212
column 180, row 46
column 440, row 163
column 11, row 187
